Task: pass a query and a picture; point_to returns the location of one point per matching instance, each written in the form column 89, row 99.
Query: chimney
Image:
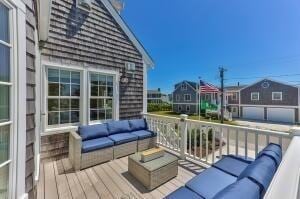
column 118, row 5
column 158, row 89
column 238, row 84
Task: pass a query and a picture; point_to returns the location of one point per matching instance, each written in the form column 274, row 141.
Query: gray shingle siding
column 289, row 94
column 31, row 96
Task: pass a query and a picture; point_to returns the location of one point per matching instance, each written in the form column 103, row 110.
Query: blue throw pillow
column 116, row 127
column 90, row 132
column 138, row 124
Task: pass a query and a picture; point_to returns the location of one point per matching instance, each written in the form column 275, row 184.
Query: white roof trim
column 148, row 60
column 44, row 12
column 186, row 82
column 268, row 80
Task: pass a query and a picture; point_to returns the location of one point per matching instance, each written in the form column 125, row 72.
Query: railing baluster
column 236, row 142
column 246, row 144
column 267, row 139
column 256, row 144
column 221, row 142
column 201, row 143
column 195, row 141
column 206, row 143
column 213, row 144
column 190, row 138
column 227, row 144
column 280, row 141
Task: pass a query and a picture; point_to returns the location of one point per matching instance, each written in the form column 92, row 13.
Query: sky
column 188, row 39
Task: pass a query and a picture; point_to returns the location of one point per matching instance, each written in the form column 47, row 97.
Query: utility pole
column 222, row 70
column 199, row 98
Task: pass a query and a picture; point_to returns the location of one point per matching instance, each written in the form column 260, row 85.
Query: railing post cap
column 295, row 131
column 183, row 116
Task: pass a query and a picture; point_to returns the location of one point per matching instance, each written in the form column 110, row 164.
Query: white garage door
column 281, row 115
column 254, row 113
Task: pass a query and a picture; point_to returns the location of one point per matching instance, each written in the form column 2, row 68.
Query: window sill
column 59, row 130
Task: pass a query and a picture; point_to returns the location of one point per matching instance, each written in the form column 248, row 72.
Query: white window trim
column 234, row 96
column 17, row 24
column 189, row 99
column 84, row 95
column 273, row 93
column 253, row 93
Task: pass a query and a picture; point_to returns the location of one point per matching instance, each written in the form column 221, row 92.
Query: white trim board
column 187, row 84
column 267, row 106
column 186, row 103
column 268, row 79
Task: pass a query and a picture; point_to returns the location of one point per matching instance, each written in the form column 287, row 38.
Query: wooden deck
column 108, row 180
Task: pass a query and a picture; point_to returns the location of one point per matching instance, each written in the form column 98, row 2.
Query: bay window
column 5, row 97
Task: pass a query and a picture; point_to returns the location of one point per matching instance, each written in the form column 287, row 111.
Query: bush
column 159, row 107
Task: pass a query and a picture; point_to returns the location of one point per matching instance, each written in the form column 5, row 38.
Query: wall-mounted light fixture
column 85, row 5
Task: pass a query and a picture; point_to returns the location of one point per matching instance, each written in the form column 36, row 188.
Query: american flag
column 208, row 88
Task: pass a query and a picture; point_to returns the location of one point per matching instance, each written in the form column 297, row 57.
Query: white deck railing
column 206, row 142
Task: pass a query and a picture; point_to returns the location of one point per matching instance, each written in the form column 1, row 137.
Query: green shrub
column 159, row 107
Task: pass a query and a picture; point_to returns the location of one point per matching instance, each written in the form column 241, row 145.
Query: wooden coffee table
column 155, row 172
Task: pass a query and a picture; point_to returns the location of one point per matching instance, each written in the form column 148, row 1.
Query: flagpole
column 199, row 100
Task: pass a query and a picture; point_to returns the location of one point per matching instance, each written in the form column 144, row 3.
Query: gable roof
column 194, row 85
column 44, row 8
column 268, row 79
column 234, row 88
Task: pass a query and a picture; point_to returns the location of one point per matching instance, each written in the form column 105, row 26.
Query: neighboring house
column 186, row 96
column 62, row 65
column 270, row 100
column 157, row 97
column 232, row 99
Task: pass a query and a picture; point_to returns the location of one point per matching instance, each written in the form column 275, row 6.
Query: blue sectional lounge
column 94, row 144
column 234, row 177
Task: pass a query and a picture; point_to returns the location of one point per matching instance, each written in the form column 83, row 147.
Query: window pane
column 4, row 181
column 94, row 90
column 75, row 104
column 4, row 20
column 4, row 103
column 101, row 114
column 100, row 103
column 4, row 62
column 108, row 114
column 93, row 115
column 53, row 105
column 53, row 118
column 64, row 117
column 110, row 91
column 75, row 116
column 65, row 76
column 64, row 104
column 75, row 90
column 94, row 79
column 110, row 80
column 4, row 144
column 64, row 89
column 93, row 104
column 75, row 78
column 53, row 89
column 109, row 103
column 102, row 80
column 53, row 75
column 102, row 90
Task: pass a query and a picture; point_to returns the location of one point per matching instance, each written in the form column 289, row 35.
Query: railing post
column 183, row 135
column 295, row 131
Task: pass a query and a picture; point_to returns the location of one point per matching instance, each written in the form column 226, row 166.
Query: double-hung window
column 63, row 97
column 5, row 98
column 187, row 97
column 255, row 96
column 277, row 96
column 101, row 97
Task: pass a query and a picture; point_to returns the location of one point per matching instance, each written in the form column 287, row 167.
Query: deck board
column 109, row 180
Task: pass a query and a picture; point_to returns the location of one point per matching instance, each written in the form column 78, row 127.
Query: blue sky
column 192, row 38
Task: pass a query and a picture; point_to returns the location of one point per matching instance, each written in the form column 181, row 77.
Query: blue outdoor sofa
column 234, row 177
column 95, row 144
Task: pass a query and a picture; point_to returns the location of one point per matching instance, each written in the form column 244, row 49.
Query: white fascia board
column 146, row 57
column 44, row 13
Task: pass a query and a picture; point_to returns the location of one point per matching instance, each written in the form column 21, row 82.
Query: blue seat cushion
column 116, row 127
column 90, row 132
column 261, row 171
column 232, row 165
column 244, row 188
column 143, row 134
column 122, row 138
column 210, row 182
column 138, row 124
column 183, row 193
column 96, row 144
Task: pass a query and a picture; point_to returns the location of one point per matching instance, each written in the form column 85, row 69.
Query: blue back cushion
column 260, row 171
column 90, row 132
column 242, row 189
column 116, row 127
column 274, row 151
column 138, row 124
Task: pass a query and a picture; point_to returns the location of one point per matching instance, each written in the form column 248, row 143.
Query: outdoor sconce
column 129, row 72
column 84, row 5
